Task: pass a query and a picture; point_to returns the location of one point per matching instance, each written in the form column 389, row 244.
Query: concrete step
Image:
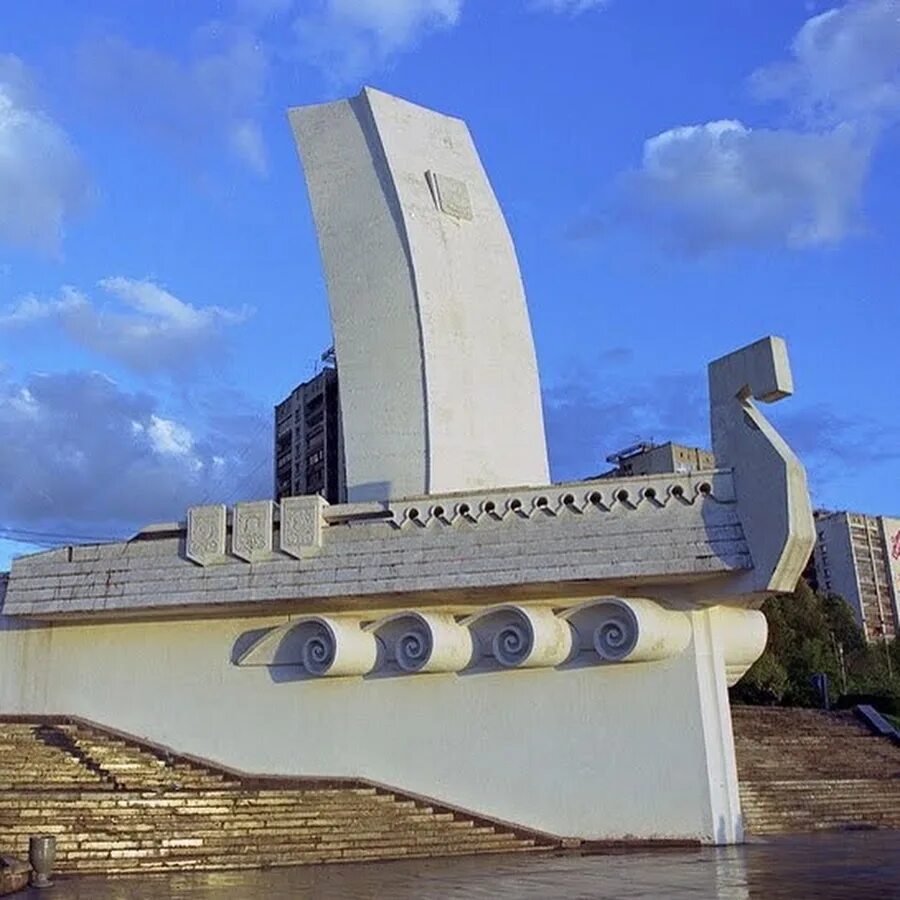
column 116, row 807
column 805, row 770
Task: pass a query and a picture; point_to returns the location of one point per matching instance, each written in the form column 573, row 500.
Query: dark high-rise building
column 309, row 447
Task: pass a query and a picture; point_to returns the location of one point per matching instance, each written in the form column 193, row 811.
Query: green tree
column 811, row 633
column 765, row 684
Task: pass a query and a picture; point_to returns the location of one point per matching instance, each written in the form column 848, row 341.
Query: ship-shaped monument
column 555, row 656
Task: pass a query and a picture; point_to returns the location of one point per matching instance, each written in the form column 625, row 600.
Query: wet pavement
column 855, row 864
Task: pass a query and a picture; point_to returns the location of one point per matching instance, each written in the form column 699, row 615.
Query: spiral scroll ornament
column 318, row 649
column 425, row 642
column 513, row 643
column 616, row 634
column 522, row 636
column 627, row 630
column 414, row 648
column 333, row 646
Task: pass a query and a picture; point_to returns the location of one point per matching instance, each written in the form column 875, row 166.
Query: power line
column 52, row 538
column 249, row 447
column 247, row 477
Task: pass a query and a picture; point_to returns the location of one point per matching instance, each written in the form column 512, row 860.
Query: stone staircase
column 808, row 770
column 117, row 805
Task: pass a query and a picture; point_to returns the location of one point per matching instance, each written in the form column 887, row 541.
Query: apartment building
column 309, row 451
column 656, row 459
column 858, row 557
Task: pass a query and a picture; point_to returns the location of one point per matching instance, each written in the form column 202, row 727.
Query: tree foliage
column 811, row 633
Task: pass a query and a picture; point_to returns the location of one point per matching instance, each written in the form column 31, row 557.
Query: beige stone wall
column 635, row 750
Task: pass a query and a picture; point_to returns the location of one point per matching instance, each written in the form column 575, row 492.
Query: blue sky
column 680, row 179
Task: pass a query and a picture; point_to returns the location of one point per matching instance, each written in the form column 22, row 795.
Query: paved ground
column 858, row 864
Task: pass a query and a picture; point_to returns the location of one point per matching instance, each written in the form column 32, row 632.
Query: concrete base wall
column 640, row 750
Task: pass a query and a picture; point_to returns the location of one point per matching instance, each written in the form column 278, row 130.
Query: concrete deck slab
column 858, row 864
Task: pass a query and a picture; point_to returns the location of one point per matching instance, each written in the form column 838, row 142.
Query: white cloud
column 347, row 38
column 42, row 180
column 30, row 309
column 169, row 438
column 721, row 183
column 568, row 7
column 846, row 65
column 186, row 106
column 143, row 326
column 248, row 144
column 80, row 454
column 23, row 403
column 220, row 88
column 257, row 11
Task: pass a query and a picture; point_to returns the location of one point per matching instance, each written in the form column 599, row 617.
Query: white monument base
column 631, row 751
column 554, row 657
